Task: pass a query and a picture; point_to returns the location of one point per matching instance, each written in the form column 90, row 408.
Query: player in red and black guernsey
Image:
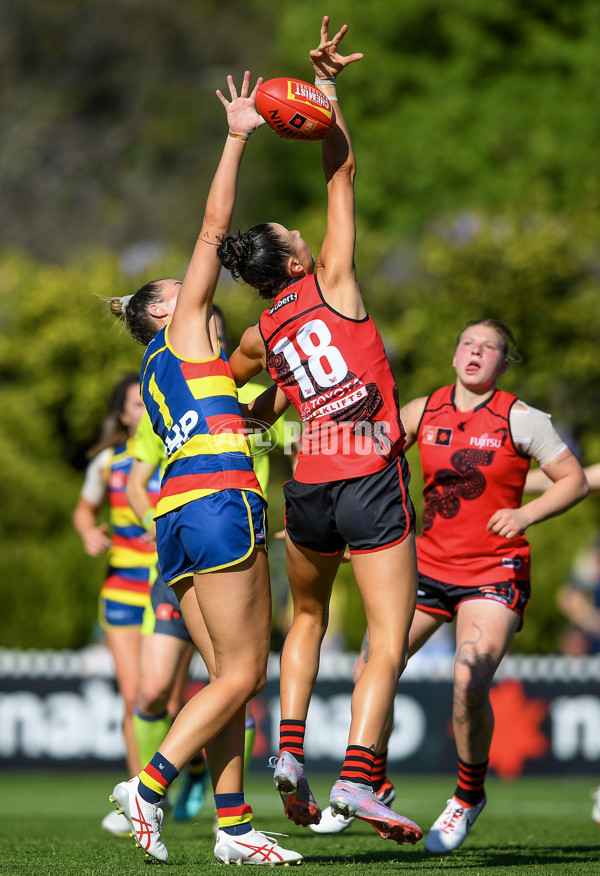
column 350, row 485
column 341, row 384
column 476, row 442
column 210, row 522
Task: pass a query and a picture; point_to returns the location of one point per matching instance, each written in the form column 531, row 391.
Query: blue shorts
column 211, row 533
column 435, row 597
column 122, row 600
column 368, row 514
column 116, row 615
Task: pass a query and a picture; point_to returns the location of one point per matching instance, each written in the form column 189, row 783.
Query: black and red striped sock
column 358, row 765
column 291, row 738
column 471, row 779
column 379, row 774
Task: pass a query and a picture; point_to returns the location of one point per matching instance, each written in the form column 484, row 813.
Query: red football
column 295, row 110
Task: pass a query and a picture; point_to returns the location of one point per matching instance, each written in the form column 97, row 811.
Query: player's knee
column 152, row 699
column 310, row 621
column 247, row 682
column 255, row 682
column 129, row 702
column 383, row 657
column 473, row 672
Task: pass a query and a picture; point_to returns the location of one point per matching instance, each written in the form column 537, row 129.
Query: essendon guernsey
column 336, row 373
column 471, row 468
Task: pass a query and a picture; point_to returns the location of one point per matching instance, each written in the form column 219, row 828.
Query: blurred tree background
column 478, row 194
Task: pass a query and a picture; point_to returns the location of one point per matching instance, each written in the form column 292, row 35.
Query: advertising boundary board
column 61, row 710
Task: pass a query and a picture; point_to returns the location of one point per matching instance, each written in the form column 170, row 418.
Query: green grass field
column 50, row 825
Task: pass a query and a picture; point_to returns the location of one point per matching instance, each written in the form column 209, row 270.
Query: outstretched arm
column 188, row 331
column 335, row 265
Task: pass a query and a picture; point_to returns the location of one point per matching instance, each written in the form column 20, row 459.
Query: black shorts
column 169, row 619
column 436, row 597
column 367, row 514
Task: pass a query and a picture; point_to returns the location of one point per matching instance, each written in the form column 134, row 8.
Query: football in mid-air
column 295, row 110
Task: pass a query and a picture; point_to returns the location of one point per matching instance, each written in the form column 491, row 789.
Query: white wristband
column 321, row 83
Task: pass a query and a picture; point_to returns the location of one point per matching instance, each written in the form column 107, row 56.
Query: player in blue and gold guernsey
column 194, row 408
column 210, row 523
column 166, row 644
column 126, row 589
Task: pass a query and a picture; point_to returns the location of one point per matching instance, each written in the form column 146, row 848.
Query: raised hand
column 326, row 60
column 241, row 111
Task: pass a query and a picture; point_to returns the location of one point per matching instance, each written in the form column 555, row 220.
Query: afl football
column 295, row 110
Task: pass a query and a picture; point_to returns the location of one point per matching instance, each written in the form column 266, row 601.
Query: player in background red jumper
column 351, row 482
column 476, row 443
